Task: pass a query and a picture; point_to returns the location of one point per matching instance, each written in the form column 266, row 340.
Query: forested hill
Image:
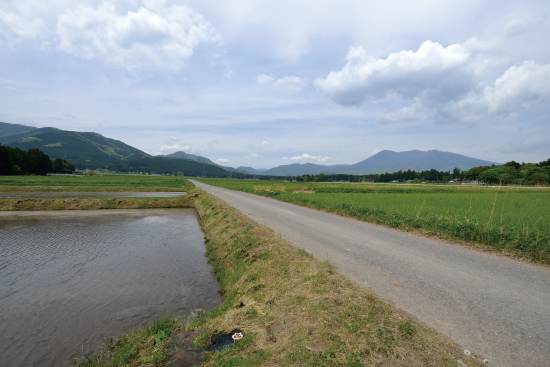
column 81, row 148
column 94, row 151
column 8, row 129
column 200, row 159
column 14, row 161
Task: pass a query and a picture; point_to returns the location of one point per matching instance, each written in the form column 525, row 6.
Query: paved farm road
column 492, row 305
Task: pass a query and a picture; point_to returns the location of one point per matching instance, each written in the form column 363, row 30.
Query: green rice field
column 506, row 219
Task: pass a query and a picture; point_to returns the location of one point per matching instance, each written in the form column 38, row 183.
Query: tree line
column 513, row 173
column 401, row 176
column 508, row 173
column 14, row 161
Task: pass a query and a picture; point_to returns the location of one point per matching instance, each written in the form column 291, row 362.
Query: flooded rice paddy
column 71, row 279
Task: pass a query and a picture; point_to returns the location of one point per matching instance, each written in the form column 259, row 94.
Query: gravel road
column 494, row 306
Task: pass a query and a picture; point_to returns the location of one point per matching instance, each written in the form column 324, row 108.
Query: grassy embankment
column 98, row 183
column 508, row 220
column 293, row 309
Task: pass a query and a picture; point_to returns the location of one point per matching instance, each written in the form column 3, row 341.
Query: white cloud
column 406, row 74
column 536, row 142
column 253, row 155
column 265, row 144
column 264, row 78
column 518, row 26
column 222, row 160
column 165, row 36
column 174, row 148
column 15, row 28
column 289, row 83
column 7, row 84
column 288, row 30
column 442, row 84
column 308, row 157
column 519, row 87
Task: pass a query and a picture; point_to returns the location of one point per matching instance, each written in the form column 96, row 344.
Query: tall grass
column 141, row 347
column 506, row 219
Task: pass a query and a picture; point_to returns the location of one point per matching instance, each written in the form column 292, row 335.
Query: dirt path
column 495, row 306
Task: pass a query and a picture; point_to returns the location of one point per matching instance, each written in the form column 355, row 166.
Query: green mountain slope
column 94, row 151
column 80, row 148
column 9, row 129
column 191, row 157
column 198, row 158
column 152, row 164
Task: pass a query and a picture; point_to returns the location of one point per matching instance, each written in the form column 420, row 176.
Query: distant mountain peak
column 252, row 171
column 198, row 158
column 387, row 161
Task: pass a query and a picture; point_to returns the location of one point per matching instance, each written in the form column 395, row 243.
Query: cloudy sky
column 265, row 83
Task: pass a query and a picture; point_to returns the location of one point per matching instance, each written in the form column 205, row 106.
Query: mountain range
column 386, row 161
column 92, row 150
column 254, row 171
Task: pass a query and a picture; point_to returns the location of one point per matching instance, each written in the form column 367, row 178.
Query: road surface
column 494, row 306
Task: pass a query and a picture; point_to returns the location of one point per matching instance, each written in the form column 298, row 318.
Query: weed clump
column 140, row 347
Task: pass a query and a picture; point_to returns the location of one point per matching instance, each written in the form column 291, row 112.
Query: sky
column 265, row 83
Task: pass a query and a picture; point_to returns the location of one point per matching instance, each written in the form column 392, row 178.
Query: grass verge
column 94, row 203
column 97, row 183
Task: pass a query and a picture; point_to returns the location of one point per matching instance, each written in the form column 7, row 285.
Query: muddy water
column 69, row 280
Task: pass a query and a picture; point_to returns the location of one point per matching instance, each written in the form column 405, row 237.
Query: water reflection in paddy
column 68, row 280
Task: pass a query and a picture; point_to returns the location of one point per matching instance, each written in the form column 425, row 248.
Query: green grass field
column 514, row 220
column 93, row 183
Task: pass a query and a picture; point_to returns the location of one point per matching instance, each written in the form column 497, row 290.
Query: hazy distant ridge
column 387, row 161
column 252, row 171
